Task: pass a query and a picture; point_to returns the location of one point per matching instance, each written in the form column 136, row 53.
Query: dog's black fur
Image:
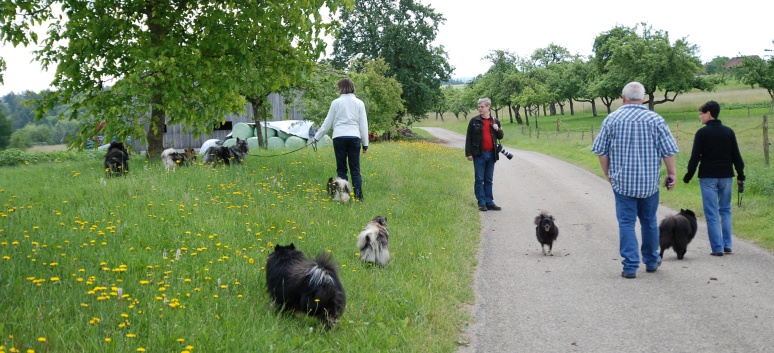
column 339, row 189
column 116, row 159
column 676, row 231
column 311, row 287
column 237, row 153
column 374, row 242
column 546, row 231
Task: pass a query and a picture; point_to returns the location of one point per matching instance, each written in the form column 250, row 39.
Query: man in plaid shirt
column 631, row 144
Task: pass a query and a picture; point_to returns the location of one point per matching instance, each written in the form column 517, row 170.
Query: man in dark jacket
column 481, row 148
column 716, row 153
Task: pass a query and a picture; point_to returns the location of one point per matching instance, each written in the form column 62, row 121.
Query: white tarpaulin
column 298, row 128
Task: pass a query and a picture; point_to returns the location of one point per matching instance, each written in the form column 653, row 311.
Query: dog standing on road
column 676, row 231
column 546, row 231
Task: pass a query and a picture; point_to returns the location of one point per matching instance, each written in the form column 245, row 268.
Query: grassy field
column 569, row 137
column 173, row 262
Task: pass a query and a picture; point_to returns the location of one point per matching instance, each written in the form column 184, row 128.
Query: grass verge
column 173, row 262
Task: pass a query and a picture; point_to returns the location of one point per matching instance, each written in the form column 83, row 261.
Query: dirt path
column 576, row 300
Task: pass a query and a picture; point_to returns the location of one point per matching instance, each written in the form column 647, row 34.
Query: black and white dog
column 219, row 153
column 311, row 287
column 546, row 232
column 116, row 159
column 676, row 231
column 374, row 242
column 339, row 189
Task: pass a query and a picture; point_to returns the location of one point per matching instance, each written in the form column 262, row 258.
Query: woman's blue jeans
column 628, row 210
column 716, row 197
column 347, row 150
column 483, row 168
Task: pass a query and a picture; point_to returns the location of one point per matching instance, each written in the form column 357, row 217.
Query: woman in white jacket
column 347, row 117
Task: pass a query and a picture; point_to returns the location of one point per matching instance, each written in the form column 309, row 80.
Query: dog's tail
column 322, row 271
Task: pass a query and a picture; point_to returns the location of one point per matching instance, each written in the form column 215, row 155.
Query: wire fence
column 563, row 131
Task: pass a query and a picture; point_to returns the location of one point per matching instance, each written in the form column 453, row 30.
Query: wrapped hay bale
column 230, row 142
column 268, row 131
column 252, row 143
column 243, row 131
column 276, row 143
column 283, row 135
column 325, row 141
column 294, row 142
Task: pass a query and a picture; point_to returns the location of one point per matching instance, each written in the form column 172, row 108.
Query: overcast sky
column 474, row 28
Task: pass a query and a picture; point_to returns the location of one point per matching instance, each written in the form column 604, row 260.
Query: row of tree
column 551, row 77
column 192, row 62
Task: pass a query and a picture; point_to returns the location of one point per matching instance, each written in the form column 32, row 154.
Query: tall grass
column 173, row 262
column 742, row 109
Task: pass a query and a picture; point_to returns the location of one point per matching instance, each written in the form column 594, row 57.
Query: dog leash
column 739, row 194
column 314, row 147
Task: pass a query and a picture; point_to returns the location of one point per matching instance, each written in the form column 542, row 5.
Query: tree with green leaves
column 380, row 93
column 138, row 65
column 717, row 66
column 651, row 58
column 401, row 32
column 757, row 71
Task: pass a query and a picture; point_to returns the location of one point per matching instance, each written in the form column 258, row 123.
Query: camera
column 504, row 152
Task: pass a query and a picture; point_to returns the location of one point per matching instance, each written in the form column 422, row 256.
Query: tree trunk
column 572, row 108
column 155, row 134
column 257, row 104
column 552, row 109
column 518, row 115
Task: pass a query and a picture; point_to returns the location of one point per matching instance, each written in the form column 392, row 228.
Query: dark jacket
column 715, row 152
column 475, row 135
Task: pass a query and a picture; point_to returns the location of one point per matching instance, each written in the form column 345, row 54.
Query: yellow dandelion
column 41, row 339
column 130, row 335
column 107, row 339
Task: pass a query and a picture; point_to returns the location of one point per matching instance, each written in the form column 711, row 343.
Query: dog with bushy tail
column 374, row 242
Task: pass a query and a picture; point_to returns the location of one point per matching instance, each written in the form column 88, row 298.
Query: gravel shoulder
column 577, row 301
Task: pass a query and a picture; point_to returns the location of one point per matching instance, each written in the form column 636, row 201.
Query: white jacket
column 347, row 117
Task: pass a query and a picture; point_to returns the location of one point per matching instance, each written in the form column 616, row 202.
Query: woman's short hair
column 487, row 102
column 712, row 107
column 346, row 86
column 634, row 91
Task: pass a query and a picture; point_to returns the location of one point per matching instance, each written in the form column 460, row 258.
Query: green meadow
column 174, row 261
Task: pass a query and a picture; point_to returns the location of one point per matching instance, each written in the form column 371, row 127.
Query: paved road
column 577, row 301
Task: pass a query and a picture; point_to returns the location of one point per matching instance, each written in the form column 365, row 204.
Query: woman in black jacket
column 716, row 153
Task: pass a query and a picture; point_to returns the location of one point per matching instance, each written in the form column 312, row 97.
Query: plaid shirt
column 636, row 140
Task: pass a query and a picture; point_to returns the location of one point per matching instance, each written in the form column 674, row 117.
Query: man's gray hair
column 634, row 91
column 487, row 102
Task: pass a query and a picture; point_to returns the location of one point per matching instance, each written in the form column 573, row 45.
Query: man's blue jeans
column 483, row 168
column 716, row 197
column 628, row 210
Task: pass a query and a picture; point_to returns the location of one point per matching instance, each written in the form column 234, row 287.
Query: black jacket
column 715, row 152
column 475, row 135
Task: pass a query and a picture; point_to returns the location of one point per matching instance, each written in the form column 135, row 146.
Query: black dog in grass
column 301, row 285
column 546, row 232
column 116, row 159
column 676, row 231
column 219, row 153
